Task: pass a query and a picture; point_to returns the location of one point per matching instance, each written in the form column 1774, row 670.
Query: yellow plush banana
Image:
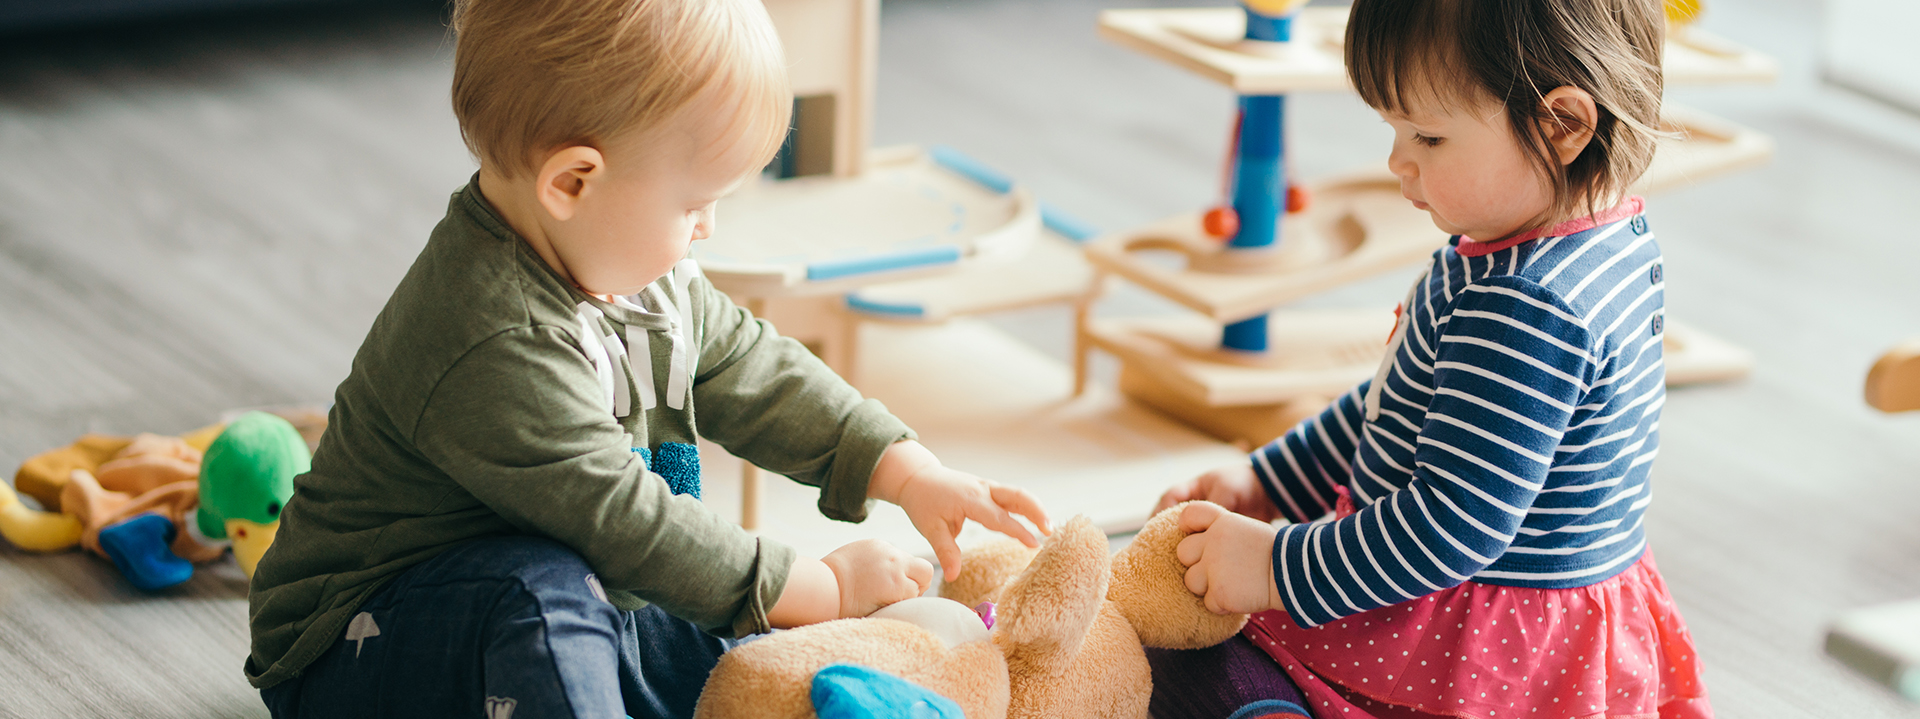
column 32, row 530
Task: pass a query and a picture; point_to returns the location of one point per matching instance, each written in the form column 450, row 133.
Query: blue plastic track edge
column 971, row 169
column 1068, row 226
column 835, row 269
column 875, row 307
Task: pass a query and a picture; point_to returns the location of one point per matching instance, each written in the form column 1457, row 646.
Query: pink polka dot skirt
column 1613, row 649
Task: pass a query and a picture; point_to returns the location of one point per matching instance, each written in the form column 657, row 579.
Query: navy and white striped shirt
column 1515, row 428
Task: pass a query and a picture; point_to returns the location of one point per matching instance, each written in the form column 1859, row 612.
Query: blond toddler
column 503, row 517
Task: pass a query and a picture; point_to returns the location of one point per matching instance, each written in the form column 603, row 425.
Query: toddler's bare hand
column 1234, row 487
column 1229, row 559
column 873, row 574
column 941, row 500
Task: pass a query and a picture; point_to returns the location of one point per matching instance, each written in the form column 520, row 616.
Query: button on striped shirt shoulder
column 1517, row 422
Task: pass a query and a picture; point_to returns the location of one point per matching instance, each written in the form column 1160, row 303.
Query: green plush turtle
column 245, row 480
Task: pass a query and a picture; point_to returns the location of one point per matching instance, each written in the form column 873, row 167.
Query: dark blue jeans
column 503, row 627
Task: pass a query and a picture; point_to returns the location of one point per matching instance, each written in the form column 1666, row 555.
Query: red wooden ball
column 1299, row 198
column 1221, row 222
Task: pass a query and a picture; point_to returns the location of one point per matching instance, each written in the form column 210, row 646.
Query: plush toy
column 246, row 479
column 155, row 505
column 1068, row 625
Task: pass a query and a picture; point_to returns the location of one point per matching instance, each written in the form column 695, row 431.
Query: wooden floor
column 206, row 214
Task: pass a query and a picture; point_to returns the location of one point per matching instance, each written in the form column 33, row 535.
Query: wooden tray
column 1319, row 353
column 1706, row 146
column 1354, row 229
column 912, row 213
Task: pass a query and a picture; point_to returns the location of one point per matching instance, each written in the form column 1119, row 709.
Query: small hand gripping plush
column 1069, row 626
column 1150, row 589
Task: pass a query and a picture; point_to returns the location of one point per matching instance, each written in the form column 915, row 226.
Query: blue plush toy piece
column 851, row 691
column 676, row 462
column 139, row 546
column 1271, row 709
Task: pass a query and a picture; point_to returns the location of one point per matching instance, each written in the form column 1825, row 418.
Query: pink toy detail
column 985, row 610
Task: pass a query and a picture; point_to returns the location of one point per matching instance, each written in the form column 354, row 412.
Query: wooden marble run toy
column 899, row 234
column 1245, row 372
column 848, row 234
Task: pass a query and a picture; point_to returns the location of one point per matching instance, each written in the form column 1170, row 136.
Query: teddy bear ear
column 985, row 571
column 1150, row 590
column 1044, row 615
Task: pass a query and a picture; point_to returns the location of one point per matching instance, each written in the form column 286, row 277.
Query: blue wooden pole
column 1259, row 177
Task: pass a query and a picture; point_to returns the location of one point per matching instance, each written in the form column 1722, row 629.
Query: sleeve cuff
column 870, row 430
column 1282, row 573
column 772, row 565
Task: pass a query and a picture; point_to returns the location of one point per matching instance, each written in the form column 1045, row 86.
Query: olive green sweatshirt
column 492, row 398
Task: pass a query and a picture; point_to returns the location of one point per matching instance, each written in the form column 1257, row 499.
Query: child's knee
column 548, row 571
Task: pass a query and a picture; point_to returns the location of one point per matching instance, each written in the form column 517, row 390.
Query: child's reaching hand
column 940, row 500
column 1229, row 559
column 1234, row 487
column 872, row 574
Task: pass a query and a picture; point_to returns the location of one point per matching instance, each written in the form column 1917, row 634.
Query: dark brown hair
column 1514, row 52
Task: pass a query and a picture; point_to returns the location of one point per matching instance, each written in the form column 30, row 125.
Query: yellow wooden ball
column 1275, row 8
column 1683, row 12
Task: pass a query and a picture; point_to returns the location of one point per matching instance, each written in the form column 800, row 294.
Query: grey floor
column 206, row 214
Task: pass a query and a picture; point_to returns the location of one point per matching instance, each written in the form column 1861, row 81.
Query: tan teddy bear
column 1070, row 623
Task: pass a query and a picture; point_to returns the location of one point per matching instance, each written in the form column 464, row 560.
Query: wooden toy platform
column 1706, row 146
column 988, row 404
column 1245, row 426
column 1053, row 271
column 912, row 213
column 1209, row 42
column 1175, row 365
column 1361, row 225
column 1354, row 229
column 1314, row 353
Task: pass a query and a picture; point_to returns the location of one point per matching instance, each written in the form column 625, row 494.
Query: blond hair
column 1514, row 52
column 533, row 76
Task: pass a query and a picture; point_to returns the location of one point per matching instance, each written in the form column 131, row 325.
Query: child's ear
column 1570, row 118
column 566, row 178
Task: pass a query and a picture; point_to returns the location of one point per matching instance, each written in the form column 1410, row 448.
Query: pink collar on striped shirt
column 1627, row 208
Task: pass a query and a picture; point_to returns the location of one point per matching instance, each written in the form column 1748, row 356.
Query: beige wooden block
column 990, row 405
column 1355, row 228
column 1210, row 42
column 1695, row 357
